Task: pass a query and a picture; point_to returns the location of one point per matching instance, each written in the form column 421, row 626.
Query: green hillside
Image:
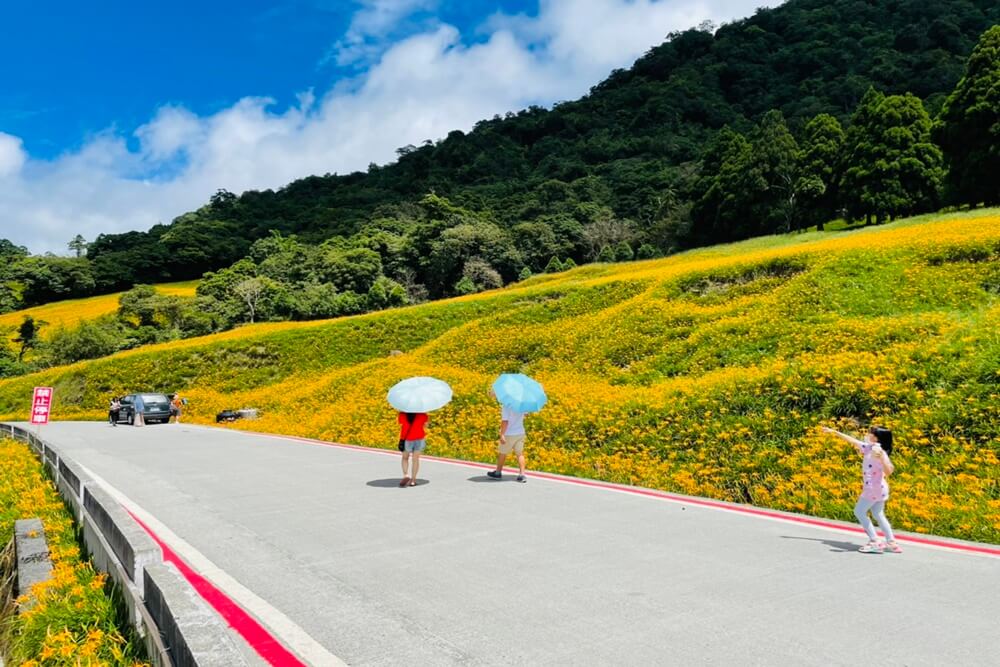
column 704, row 373
column 630, row 149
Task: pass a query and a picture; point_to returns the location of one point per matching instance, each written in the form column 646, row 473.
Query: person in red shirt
column 411, row 444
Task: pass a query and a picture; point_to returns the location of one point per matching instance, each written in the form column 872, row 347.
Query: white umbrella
column 419, row 394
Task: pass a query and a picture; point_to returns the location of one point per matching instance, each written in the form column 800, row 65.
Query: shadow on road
column 484, row 478
column 836, row 546
column 393, row 483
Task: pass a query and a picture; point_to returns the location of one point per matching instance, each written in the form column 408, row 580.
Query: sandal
column 405, row 482
column 893, row 547
column 413, row 482
column 872, row 548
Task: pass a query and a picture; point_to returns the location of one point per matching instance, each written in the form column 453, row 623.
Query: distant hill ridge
column 627, row 145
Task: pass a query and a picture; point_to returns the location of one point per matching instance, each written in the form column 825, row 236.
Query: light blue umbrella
column 519, row 392
column 419, row 394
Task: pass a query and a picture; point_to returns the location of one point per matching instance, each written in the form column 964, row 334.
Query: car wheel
column 131, row 420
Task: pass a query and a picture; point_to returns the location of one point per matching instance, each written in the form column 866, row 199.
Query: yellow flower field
column 72, row 620
column 74, row 311
column 706, row 373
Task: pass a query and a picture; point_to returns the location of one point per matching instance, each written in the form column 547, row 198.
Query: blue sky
column 116, row 116
column 84, row 67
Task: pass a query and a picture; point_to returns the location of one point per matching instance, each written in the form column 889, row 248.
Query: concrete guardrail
column 177, row 626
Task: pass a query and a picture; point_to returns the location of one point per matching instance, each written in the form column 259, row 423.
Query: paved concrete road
column 465, row 570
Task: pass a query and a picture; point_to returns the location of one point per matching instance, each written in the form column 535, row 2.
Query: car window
column 154, row 398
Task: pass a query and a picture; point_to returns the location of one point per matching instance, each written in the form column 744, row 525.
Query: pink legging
column 877, row 508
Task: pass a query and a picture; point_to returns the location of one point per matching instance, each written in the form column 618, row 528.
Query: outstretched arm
column 858, row 444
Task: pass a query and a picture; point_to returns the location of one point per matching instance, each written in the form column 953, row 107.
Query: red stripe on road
column 982, row 549
column 262, row 641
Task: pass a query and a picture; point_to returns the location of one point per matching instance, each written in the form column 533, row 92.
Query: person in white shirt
column 511, row 440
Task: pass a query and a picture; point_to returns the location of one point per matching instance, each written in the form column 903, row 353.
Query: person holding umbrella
column 518, row 395
column 414, row 398
column 412, row 440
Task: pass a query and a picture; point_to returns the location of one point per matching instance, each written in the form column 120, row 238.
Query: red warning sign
column 41, row 405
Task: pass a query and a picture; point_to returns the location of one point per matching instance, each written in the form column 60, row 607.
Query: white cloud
column 12, row 155
column 371, row 27
column 421, row 88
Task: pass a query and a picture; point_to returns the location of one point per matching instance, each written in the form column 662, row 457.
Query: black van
column 155, row 409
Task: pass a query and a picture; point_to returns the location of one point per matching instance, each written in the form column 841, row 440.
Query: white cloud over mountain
column 419, row 87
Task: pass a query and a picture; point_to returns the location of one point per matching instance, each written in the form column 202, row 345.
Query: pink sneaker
column 892, row 547
column 872, row 548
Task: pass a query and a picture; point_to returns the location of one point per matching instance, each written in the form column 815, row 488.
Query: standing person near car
column 114, row 410
column 138, row 410
column 412, row 443
column 176, row 405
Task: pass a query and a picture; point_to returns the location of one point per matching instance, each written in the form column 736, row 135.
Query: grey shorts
column 414, row 446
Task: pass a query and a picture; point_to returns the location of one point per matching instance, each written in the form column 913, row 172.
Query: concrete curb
column 32, row 552
column 193, row 633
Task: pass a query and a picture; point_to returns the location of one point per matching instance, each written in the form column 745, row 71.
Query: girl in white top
column 875, row 468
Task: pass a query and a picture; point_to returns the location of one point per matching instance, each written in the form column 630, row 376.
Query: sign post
column 41, row 407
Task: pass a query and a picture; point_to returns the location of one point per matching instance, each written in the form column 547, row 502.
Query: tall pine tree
column 774, row 172
column 819, row 170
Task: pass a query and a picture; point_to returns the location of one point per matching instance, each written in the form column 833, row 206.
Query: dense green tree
column 10, row 253
column 457, row 245
column 122, row 260
column 623, row 252
column 352, row 270
column 537, row 242
column 138, row 306
column 88, row 340
column 465, row 286
column 219, row 284
column 722, row 166
column 554, row 265
column 893, row 167
column 44, row 279
column 819, row 170
column 772, row 172
column 646, row 251
column 27, row 335
column 386, row 293
column 859, row 157
column 607, row 254
column 524, row 274
column 968, row 128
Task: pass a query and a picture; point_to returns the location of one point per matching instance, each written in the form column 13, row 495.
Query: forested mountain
column 812, row 96
column 630, row 145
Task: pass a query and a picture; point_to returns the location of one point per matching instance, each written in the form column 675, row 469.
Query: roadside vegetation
column 71, row 619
